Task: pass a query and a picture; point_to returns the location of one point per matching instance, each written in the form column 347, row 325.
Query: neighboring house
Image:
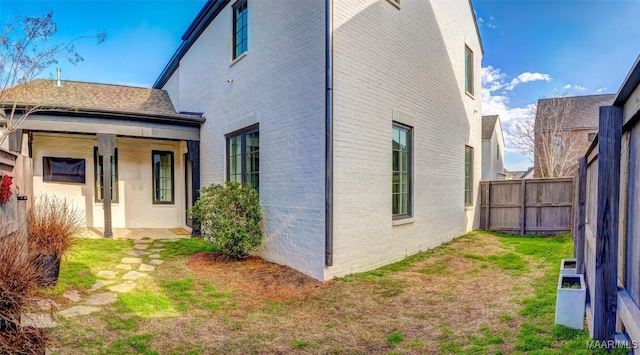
column 359, row 122
column 492, row 148
column 150, row 167
column 522, row 174
column 564, row 129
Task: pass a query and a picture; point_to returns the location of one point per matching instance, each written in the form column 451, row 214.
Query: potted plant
column 570, row 301
column 568, row 266
column 52, row 222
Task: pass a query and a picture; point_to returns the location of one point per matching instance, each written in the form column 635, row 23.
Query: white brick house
column 321, row 89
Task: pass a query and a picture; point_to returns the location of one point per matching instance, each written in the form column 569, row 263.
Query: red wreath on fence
column 5, row 189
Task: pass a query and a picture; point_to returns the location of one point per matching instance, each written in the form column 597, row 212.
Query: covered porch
column 123, row 155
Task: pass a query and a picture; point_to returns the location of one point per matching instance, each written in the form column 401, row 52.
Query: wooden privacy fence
column 528, row 206
column 607, row 227
column 13, row 213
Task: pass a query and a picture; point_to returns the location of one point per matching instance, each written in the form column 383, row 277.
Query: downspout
column 328, row 154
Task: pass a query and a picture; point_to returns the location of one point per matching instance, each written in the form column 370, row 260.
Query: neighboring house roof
column 584, row 112
column 96, row 98
column 488, row 125
column 520, row 174
column 208, row 13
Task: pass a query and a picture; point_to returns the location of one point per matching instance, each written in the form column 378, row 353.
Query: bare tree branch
column 25, row 52
column 549, row 141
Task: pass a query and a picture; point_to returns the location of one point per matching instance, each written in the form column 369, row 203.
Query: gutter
column 328, row 153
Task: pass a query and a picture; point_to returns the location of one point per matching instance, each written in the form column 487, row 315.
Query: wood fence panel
column 632, row 259
column 532, row 206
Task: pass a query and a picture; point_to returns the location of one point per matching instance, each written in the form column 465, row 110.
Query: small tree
column 547, row 141
column 26, row 50
column 229, row 216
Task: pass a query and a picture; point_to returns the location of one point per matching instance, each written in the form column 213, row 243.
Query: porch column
column 106, row 147
column 193, row 148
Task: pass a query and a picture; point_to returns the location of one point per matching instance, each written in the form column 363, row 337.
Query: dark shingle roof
column 94, row 97
column 488, row 124
column 583, row 110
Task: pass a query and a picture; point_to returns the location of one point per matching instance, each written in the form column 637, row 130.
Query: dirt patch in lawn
column 257, row 277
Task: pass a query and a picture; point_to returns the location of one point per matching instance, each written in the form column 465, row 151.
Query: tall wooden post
column 106, row 147
column 606, row 258
column 523, row 206
column 580, row 214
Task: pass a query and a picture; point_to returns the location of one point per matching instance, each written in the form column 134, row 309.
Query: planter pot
column 568, row 266
column 570, row 302
column 51, row 269
column 9, row 325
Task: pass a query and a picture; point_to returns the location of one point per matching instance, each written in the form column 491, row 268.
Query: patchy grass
column 483, row 293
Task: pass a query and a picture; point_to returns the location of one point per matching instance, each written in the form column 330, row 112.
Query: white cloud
column 480, row 20
column 527, row 77
column 599, row 91
column 497, row 102
column 568, row 86
column 491, row 18
column 579, row 88
column 490, row 25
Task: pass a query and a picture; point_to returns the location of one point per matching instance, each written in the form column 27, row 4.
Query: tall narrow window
column 243, row 159
column 468, row 176
column 468, row 70
column 240, row 13
column 98, row 170
column 401, row 171
column 498, row 150
column 162, row 177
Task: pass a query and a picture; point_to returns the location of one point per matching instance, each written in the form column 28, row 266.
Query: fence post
column 580, row 214
column 606, row 258
column 523, row 205
column 487, row 204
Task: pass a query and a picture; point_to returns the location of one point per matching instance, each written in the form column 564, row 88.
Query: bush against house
column 230, row 217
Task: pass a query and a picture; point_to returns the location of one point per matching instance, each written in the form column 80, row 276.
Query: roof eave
column 194, row 121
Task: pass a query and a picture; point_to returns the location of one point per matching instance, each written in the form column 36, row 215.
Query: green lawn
column 483, row 293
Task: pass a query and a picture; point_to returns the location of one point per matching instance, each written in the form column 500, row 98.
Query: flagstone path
column 135, row 269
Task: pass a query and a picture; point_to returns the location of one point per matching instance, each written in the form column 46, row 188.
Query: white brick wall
column 134, row 208
column 405, row 65
column 280, row 85
column 173, row 89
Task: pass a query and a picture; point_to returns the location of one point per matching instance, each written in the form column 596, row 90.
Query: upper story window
column 498, row 151
column 591, row 137
column 468, row 70
column 240, row 13
column 243, row 156
column 401, row 171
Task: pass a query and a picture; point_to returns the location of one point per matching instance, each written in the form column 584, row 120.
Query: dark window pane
column 163, row 177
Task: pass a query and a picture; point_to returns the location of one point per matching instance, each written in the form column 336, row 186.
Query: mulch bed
column 254, row 276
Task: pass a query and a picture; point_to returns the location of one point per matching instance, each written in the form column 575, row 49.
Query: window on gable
column 163, row 186
column 243, row 156
column 468, row 176
column 98, row 170
column 591, row 137
column 401, row 171
column 468, row 70
column 498, row 152
column 240, row 28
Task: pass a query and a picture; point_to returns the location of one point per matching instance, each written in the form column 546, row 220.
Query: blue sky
column 552, row 48
column 531, row 48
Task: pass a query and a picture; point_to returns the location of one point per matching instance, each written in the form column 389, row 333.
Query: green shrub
column 229, row 216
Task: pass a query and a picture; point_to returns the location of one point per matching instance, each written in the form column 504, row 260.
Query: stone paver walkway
column 123, row 284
